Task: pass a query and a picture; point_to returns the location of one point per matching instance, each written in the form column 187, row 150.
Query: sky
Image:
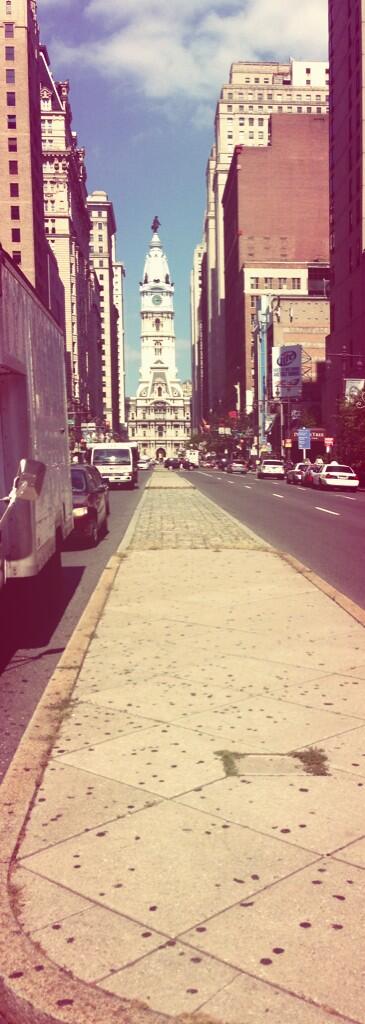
column 145, row 77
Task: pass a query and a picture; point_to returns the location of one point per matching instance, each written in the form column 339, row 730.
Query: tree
column 351, row 431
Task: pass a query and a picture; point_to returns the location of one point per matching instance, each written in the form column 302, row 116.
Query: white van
column 117, row 462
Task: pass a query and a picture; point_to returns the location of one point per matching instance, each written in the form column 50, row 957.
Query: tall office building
column 118, row 300
column 159, row 414
column 255, row 91
column 67, row 224
column 346, row 345
column 103, row 228
column 276, row 229
column 197, row 293
column 22, row 231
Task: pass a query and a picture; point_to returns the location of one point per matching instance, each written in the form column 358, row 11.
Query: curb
column 344, row 602
column 347, row 605
column 33, row 989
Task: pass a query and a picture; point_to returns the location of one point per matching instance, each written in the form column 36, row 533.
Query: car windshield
column 111, row 456
column 272, row 462
column 78, row 479
column 339, row 469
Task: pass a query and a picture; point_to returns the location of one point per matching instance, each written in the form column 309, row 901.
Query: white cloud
column 186, row 52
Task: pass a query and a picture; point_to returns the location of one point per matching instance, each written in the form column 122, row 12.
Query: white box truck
column 33, row 425
column 117, row 462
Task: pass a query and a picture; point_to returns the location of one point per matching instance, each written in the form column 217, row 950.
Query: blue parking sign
column 304, row 438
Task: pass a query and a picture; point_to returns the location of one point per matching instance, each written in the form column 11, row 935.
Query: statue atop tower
column 156, row 224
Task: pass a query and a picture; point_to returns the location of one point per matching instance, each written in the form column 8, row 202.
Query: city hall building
column 159, row 414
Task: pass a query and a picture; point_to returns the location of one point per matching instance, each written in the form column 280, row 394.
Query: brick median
column 186, row 519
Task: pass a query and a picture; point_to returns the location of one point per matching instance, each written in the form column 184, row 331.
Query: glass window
column 9, row 53
column 11, row 122
column 15, row 234
column 12, row 145
column 14, row 189
column 9, row 31
column 17, row 257
column 10, row 99
column 13, row 166
column 15, row 212
column 10, row 76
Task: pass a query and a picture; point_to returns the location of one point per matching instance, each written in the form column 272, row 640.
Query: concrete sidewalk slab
column 177, row 859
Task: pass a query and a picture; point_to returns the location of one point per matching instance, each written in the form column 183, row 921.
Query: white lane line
column 277, row 495
column 328, row 510
column 248, row 487
column 346, row 497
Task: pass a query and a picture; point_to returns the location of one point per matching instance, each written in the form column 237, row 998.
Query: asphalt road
column 27, row 665
column 325, row 531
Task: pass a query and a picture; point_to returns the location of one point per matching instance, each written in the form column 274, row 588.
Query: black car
column 90, row 501
column 172, row 463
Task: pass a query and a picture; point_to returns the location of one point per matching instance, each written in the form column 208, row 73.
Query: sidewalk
column 195, row 849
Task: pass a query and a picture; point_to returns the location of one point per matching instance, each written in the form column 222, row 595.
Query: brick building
column 276, row 235
column 255, row 92
column 346, row 345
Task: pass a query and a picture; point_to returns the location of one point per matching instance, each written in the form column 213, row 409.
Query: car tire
column 94, row 534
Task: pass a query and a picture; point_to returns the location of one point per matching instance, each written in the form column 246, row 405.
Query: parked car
column 172, row 463
column 90, row 501
column 272, row 468
column 237, row 466
column 144, row 462
column 295, row 474
column 336, row 476
column 309, row 474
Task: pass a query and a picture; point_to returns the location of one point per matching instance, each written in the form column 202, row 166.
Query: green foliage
column 351, row 432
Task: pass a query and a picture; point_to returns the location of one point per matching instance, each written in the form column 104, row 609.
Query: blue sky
column 145, row 78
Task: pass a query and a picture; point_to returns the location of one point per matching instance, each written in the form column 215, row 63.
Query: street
column 25, row 670
column 324, row 531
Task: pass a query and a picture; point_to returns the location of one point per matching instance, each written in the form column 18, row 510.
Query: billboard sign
column 354, row 389
column 286, row 371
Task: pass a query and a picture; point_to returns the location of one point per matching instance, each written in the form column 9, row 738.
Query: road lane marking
column 347, row 497
column 248, row 487
column 277, row 495
column 328, row 510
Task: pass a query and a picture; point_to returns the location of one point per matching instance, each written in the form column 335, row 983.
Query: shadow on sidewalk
column 29, row 615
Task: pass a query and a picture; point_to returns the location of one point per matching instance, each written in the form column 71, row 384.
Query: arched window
column 159, row 392
column 158, row 348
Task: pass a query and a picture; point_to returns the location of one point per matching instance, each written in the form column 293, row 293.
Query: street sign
column 304, row 438
column 329, row 441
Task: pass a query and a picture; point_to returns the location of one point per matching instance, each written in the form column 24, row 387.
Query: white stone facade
column 159, row 414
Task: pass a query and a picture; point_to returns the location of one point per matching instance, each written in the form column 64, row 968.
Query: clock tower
column 159, row 415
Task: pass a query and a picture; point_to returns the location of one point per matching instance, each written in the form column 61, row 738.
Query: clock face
column 156, row 299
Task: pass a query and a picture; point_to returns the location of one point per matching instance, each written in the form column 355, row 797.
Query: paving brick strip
column 155, row 802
